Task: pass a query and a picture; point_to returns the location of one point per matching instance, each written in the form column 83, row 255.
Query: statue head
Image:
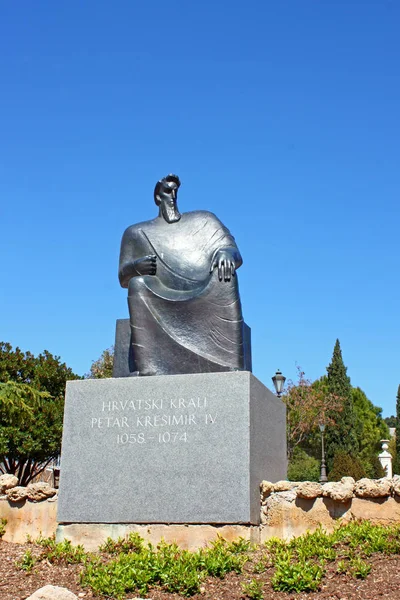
column 166, row 195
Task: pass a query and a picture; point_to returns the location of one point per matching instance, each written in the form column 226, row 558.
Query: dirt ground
column 382, row 582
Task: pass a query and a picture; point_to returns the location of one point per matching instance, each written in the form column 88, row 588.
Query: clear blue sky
column 282, row 117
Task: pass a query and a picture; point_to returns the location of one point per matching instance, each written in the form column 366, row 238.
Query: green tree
column 103, row 366
column 394, row 446
column 345, row 465
column 303, row 467
column 370, row 429
column 31, row 410
column 393, row 451
column 396, row 465
column 390, row 421
column 342, row 436
column 307, row 405
column 20, row 397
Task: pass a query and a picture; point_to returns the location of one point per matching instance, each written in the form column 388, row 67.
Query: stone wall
column 290, row 509
column 287, row 509
column 28, row 518
column 30, row 510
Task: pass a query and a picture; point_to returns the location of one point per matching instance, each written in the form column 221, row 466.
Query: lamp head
column 279, row 381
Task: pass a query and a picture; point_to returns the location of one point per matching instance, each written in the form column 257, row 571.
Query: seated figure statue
column 183, row 297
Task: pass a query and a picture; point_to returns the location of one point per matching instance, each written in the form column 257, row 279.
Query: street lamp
column 278, row 381
column 322, row 478
column 56, row 477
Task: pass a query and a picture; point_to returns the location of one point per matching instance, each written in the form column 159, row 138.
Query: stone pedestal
column 169, row 449
column 385, row 458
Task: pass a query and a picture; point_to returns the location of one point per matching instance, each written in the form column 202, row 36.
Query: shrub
column 63, row 552
column 3, row 523
column 260, row 567
column 218, row 560
column 345, row 465
column 303, row 467
column 377, row 470
column 27, row 562
column 318, row 545
column 137, row 566
column 132, row 543
column 253, row 590
column 299, row 563
column 359, row 568
column 301, row 576
column 366, row 539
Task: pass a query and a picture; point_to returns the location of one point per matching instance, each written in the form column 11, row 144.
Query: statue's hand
column 146, row 265
column 225, row 262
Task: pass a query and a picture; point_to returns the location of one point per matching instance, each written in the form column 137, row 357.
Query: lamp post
column 279, row 381
column 56, row 477
column 322, row 478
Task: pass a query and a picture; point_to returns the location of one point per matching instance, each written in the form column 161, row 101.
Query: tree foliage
column 31, row 410
column 342, row 437
column 393, row 451
column 396, row 465
column 390, row 421
column 353, row 424
column 20, row 397
column 370, row 429
column 345, row 465
column 102, row 368
column 303, row 467
column 307, row 404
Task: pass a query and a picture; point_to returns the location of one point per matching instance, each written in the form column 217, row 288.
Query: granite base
column 169, row 449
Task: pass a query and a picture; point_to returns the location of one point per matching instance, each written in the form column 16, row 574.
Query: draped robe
column 183, row 319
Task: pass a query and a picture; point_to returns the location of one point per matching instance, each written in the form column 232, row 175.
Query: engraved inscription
column 153, row 404
column 162, row 420
column 102, row 422
column 211, row 419
column 142, row 421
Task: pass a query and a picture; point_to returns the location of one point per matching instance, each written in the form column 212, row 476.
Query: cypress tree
column 396, row 466
column 342, row 436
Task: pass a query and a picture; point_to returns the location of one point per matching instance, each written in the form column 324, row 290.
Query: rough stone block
column 7, row 481
column 53, row 592
column 169, row 449
column 40, row 491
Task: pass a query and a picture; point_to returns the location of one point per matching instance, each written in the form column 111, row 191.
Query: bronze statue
column 183, row 296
